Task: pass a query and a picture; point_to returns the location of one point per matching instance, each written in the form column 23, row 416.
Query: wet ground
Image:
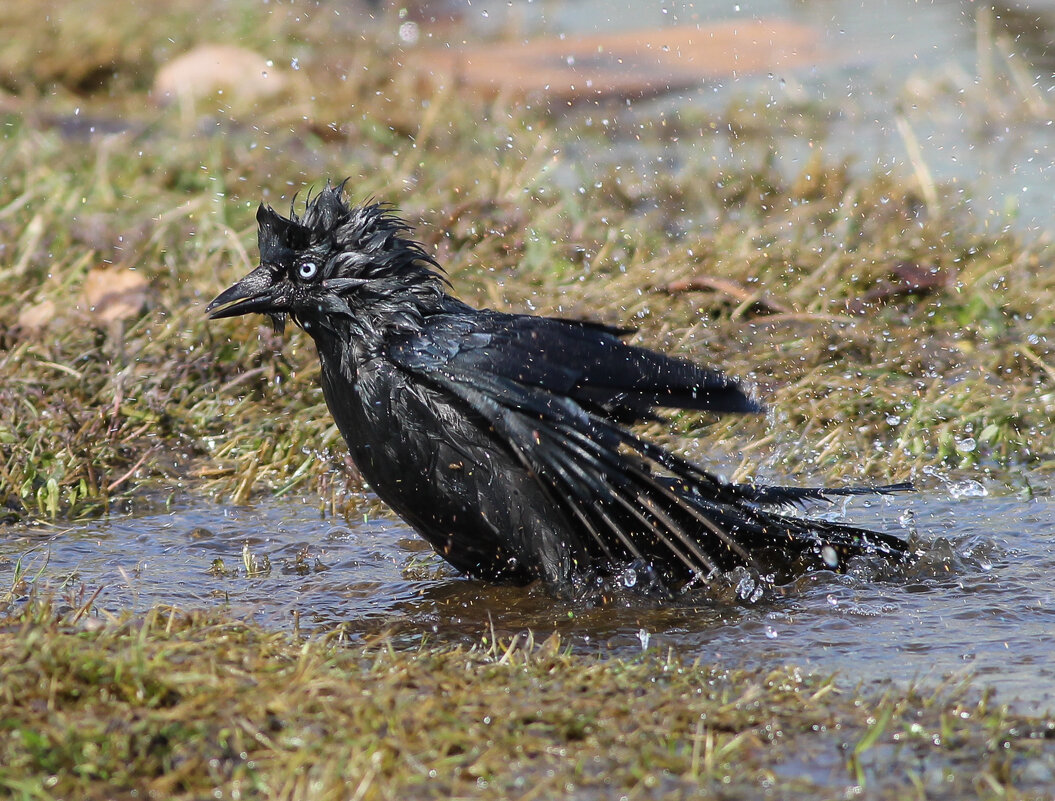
column 981, row 603
column 972, row 84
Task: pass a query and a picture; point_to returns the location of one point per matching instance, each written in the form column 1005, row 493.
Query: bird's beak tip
column 224, row 306
column 214, row 309
column 254, row 293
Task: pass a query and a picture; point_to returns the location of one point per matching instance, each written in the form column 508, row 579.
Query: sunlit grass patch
column 188, row 704
column 794, row 279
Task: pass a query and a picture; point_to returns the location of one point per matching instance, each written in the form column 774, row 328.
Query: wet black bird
column 501, row 438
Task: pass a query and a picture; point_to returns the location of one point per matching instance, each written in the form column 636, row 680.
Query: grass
column 93, row 409
column 183, row 706
column 741, row 263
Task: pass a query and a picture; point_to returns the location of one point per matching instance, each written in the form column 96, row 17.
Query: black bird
column 501, row 437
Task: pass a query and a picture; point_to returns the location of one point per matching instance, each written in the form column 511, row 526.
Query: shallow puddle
column 981, row 603
column 958, row 93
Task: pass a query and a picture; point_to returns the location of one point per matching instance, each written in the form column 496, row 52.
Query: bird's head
column 324, row 265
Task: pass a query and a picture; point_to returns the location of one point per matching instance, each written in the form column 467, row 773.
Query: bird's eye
column 307, row 270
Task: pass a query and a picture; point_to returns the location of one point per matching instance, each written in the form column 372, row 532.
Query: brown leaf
column 634, row 63
column 755, row 299
column 209, row 69
column 906, row 278
column 37, row 317
column 114, row 294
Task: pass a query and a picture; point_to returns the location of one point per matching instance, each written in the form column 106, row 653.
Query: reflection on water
column 974, row 81
column 982, row 601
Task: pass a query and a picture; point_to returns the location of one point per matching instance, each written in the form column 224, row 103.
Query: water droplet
column 967, row 489
column 745, row 587
column 966, row 445
column 830, row 557
column 409, row 33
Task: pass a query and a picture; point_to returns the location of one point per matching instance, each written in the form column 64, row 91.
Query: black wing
column 631, row 500
column 587, row 362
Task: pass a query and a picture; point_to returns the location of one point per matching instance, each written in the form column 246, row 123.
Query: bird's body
column 501, row 438
column 423, row 457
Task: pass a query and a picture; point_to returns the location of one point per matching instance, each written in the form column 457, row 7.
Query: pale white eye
column 306, row 270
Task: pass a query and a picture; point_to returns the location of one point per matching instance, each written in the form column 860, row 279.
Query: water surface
column 974, row 82
column 981, row 603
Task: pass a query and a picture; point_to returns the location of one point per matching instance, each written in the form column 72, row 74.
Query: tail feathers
column 781, row 544
column 799, row 496
column 833, row 545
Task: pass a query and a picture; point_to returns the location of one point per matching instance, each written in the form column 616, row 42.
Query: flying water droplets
column 748, row 588
column 629, row 577
column 830, row 557
column 409, row 33
column 967, row 489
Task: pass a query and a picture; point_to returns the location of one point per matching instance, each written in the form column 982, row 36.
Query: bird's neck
column 346, row 342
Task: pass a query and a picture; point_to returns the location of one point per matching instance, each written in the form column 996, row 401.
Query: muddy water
column 982, row 602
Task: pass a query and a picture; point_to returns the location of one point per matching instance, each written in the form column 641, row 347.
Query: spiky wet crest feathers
column 368, row 241
column 367, row 267
column 501, row 438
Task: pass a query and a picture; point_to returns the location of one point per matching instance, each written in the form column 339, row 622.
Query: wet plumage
column 503, row 439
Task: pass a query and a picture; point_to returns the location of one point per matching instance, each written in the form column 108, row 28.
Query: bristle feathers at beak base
column 278, row 322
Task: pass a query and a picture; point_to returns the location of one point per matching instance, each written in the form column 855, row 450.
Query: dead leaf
column 209, row 69
column 114, row 294
column 37, row 317
column 754, row 299
column 906, row 278
column 9, row 104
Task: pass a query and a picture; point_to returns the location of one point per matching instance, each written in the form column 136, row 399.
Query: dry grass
column 185, row 706
column 959, row 373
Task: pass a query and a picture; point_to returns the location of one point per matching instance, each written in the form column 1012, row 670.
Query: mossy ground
column 177, row 706
column 93, row 412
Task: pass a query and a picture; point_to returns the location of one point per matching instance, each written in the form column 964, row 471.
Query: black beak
column 257, row 292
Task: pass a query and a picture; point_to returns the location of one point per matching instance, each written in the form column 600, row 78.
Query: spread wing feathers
column 635, row 501
column 584, row 361
column 801, row 496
